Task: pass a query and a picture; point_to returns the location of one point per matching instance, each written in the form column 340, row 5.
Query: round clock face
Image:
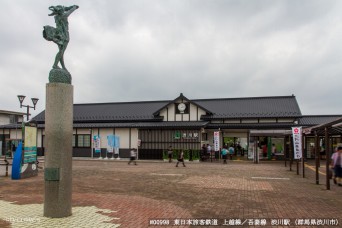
column 181, row 107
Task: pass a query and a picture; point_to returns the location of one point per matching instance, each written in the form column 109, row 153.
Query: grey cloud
column 148, row 50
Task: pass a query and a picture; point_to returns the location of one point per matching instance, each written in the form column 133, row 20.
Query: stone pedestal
column 58, row 154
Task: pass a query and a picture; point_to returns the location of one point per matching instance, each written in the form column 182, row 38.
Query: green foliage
column 186, row 155
column 176, row 153
column 165, row 155
column 196, row 155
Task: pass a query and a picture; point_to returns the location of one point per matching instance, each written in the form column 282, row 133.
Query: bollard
column 6, row 167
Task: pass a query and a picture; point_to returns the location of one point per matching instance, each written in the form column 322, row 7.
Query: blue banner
column 16, row 165
column 111, row 140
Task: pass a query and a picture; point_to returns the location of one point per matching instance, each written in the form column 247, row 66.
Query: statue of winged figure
column 60, row 34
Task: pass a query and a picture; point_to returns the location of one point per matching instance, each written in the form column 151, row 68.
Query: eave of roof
column 254, row 126
column 12, row 113
column 141, row 125
column 10, row 126
column 248, row 116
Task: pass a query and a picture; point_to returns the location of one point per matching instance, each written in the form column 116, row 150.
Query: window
column 83, row 141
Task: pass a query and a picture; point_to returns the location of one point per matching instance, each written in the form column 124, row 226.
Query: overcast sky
column 142, row 50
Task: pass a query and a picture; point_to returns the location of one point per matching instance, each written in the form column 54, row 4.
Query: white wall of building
column 85, row 131
column 39, row 137
column 104, row 132
column 4, row 119
column 134, row 137
column 169, row 113
column 16, row 133
column 123, row 133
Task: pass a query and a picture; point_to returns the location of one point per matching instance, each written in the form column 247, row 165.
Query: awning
column 333, row 128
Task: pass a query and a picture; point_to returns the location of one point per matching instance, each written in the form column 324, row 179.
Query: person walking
column 203, row 152
column 14, row 148
column 208, row 149
column 181, row 158
column 336, row 163
column 170, row 153
column 224, row 153
column 231, row 151
column 133, row 156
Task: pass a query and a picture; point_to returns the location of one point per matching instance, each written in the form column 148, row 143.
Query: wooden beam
column 327, row 154
column 317, row 156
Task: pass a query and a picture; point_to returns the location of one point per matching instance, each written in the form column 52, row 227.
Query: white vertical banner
column 97, row 144
column 216, row 140
column 297, row 142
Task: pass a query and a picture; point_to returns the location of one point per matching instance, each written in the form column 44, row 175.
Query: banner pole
column 303, row 165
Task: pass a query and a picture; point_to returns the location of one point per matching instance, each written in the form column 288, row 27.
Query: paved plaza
column 114, row 194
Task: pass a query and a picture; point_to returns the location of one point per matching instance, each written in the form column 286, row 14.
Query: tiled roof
column 10, row 126
column 108, row 112
column 170, row 124
column 312, row 120
column 253, row 107
column 333, row 127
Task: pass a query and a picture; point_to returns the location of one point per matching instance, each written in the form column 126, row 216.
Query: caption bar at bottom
column 244, row 222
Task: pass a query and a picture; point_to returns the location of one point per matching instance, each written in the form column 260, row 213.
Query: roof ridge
column 242, row 98
column 207, row 99
column 325, row 115
column 123, row 102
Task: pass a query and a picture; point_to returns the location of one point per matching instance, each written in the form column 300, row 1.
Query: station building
column 183, row 123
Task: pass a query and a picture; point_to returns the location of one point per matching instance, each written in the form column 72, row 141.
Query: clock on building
column 181, row 107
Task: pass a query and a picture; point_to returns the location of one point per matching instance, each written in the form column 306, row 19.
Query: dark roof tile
column 312, row 120
column 250, row 107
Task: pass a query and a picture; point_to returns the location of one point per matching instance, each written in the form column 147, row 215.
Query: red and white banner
column 216, row 140
column 297, row 142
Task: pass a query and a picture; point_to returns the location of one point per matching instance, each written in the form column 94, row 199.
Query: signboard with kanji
column 216, row 140
column 297, row 142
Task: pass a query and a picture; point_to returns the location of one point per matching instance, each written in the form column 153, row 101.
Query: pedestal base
column 58, row 155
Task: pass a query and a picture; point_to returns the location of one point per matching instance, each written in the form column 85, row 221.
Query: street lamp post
column 34, row 101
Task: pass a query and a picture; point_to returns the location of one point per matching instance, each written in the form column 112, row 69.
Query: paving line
column 167, row 174
column 314, row 169
column 271, row 178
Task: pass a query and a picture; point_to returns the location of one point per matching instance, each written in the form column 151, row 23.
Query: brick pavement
column 110, row 194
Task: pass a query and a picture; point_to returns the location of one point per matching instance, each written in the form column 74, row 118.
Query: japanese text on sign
column 297, row 142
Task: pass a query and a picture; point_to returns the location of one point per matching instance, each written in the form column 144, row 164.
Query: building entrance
column 237, row 147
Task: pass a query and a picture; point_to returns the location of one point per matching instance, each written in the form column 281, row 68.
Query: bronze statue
column 60, row 34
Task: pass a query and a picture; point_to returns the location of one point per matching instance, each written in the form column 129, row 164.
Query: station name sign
column 186, row 135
